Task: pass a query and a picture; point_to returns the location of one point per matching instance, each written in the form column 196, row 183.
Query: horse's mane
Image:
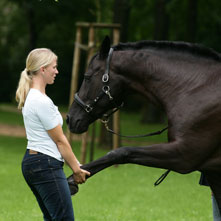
column 195, row 49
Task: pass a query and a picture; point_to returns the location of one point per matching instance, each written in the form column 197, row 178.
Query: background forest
column 27, row 24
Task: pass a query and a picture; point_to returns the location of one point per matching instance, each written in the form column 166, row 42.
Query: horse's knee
column 119, row 155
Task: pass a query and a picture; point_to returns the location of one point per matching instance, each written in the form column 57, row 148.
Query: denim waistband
column 39, row 155
column 28, row 150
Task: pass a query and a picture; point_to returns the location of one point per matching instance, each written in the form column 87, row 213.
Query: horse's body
column 184, row 80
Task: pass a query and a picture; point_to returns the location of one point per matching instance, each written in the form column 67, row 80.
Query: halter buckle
column 105, row 119
column 105, row 77
column 106, row 90
column 88, row 108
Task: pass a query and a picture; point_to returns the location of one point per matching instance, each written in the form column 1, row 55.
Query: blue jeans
column 45, row 177
column 216, row 213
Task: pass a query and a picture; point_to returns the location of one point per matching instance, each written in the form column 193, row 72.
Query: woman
column 47, row 147
column 216, row 214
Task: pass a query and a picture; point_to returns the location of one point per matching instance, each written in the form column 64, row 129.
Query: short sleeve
column 47, row 113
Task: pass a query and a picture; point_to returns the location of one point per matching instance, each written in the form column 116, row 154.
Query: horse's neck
column 156, row 77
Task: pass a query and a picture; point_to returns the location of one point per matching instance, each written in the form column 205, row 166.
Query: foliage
column 52, row 26
column 28, row 24
column 208, row 21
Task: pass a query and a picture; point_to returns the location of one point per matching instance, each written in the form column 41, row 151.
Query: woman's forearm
column 68, row 155
column 64, row 148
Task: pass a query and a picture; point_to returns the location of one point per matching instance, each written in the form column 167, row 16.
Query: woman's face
column 50, row 72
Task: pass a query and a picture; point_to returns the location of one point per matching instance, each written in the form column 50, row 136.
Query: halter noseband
column 105, row 89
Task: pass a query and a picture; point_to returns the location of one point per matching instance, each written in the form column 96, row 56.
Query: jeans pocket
column 34, row 169
column 41, row 168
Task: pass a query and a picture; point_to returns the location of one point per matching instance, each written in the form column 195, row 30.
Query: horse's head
column 100, row 91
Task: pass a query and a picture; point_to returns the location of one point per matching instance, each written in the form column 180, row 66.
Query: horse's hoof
column 72, row 185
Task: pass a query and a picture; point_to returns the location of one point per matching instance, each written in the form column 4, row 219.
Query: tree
column 27, row 24
column 191, row 22
column 161, row 20
column 121, row 15
column 32, row 32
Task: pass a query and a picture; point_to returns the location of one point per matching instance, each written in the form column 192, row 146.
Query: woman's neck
column 38, row 84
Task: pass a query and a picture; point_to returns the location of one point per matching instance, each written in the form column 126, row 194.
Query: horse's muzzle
column 76, row 125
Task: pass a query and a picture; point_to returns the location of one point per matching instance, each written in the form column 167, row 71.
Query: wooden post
column 116, row 117
column 90, row 44
column 90, row 53
column 93, row 129
column 75, row 70
column 83, row 147
column 75, row 67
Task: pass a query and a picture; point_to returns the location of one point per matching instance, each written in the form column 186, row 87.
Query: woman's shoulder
column 35, row 100
column 36, row 96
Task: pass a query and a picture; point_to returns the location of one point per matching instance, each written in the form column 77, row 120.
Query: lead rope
column 133, row 136
column 164, row 175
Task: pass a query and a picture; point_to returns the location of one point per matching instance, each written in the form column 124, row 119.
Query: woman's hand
column 80, row 176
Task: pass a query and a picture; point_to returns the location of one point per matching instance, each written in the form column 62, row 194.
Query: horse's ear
column 105, row 47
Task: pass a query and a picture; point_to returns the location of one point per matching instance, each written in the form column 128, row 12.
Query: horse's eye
column 87, row 77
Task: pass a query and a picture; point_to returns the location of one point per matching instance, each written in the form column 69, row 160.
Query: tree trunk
column 30, row 13
column 121, row 15
column 191, row 25
column 161, row 20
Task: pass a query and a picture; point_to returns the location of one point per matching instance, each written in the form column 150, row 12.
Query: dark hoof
column 72, row 185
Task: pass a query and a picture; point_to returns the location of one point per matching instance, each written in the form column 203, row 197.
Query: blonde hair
column 37, row 58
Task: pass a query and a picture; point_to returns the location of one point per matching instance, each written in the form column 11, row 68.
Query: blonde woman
column 47, row 147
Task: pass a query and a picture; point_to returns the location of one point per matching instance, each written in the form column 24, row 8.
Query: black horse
column 181, row 78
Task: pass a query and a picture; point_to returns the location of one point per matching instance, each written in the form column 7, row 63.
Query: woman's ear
column 42, row 70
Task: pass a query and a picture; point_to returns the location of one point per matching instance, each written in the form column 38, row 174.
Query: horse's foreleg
column 166, row 155
column 106, row 161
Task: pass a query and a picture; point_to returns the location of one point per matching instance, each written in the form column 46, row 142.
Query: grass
column 123, row 193
column 10, row 117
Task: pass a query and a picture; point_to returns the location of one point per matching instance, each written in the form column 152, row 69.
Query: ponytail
column 23, row 88
column 37, row 58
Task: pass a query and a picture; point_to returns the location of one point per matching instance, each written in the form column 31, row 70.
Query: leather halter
column 105, row 91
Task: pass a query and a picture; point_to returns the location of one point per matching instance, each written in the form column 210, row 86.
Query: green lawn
column 9, row 116
column 125, row 193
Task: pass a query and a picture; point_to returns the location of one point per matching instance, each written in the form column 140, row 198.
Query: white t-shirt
column 40, row 114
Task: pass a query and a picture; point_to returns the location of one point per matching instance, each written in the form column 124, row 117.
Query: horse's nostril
column 67, row 119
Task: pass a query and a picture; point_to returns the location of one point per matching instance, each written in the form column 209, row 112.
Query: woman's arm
column 65, row 149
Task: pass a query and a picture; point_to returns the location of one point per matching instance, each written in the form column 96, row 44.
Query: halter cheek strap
column 105, row 77
column 105, row 89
